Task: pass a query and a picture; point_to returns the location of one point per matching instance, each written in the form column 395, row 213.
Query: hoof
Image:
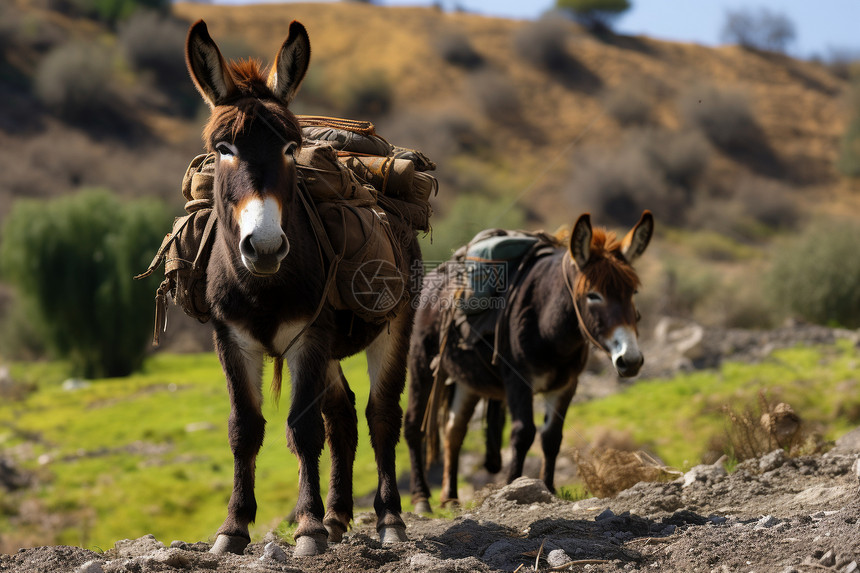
column 229, row 544
column 310, row 545
column 423, row 506
column 392, row 533
column 335, row 532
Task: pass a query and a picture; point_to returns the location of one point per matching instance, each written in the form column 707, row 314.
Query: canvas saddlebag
column 352, row 181
column 185, row 250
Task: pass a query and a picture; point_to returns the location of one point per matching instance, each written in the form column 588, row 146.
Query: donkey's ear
column 580, row 241
column 291, row 63
column 207, row 67
column 637, row 239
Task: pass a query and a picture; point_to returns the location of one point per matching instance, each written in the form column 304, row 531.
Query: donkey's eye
column 226, row 150
column 290, row 148
column 594, row 298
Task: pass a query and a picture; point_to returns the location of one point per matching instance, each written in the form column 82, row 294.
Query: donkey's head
column 255, row 138
column 603, row 288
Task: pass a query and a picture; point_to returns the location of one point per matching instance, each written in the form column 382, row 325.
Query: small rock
column 771, row 461
column 73, row 384
column 704, row 473
column 766, row 522
column 423, row 561
column 717, row 519
column 557, row 558
column 274, row 552
column 176, row 544
column 176, row 558
column 524, row 491
column 849, row 442
column 668, row 530
column 199, row 427
column 828, row 559
column 605, row 514
column 136, row 547
column 90, row 567
column 851, row 568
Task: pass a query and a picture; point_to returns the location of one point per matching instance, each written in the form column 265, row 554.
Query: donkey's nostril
column 284, row 248
column 246, row 247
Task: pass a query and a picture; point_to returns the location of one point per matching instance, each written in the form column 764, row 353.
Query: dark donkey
column 265, row 282
column 564, row 302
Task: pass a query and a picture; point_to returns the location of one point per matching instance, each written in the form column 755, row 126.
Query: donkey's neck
column 558, row 325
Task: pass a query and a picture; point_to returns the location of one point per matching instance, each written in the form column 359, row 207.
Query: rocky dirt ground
column 771, row 514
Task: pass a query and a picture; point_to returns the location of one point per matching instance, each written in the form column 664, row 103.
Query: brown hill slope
column 797, row 105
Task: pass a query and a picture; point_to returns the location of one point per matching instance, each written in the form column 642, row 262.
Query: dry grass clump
column 608, row 471
column 752, row 433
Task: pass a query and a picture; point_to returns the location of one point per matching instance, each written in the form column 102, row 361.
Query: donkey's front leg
column 305, row 438
column 556, row 404
column 519, row 395
column 242, row 361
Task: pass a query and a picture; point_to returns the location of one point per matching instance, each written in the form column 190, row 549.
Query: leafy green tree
column 72, row 260
column 596, row 15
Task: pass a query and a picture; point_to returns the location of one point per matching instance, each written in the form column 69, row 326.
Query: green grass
column 179, row 491
column 676, row 418
column 122, row 463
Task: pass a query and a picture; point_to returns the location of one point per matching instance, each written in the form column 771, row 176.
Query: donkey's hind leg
column 423, row 347
column 341, row 430
column 461, row 406
column 386, row 364
column 242, row 361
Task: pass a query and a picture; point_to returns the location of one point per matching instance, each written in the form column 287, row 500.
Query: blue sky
column 821, row 25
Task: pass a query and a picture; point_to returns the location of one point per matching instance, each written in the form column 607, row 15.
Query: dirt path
column 771, row 514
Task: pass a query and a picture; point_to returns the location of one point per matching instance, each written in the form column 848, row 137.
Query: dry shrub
column 768, row 202
column 367, row 96
column 723, row 115
column 495, row 94
column 75, row 79
column 453, row 132
column 682, row 157
column 609, row 471
column 815, row 276
column 617, row 187
column 155, row 42
column 456, row 49
column 628, row 106
column 544, row 43
column 753, row 432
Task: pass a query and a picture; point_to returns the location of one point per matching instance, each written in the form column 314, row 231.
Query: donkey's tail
column 277, row 378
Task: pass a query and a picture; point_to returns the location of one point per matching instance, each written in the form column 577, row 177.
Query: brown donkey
column 564, row 302
column 265, row 282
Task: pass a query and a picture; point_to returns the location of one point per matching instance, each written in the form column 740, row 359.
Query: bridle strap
column 582, row 326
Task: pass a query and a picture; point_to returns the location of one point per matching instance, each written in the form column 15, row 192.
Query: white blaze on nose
column 624, row 344
column 261, row 218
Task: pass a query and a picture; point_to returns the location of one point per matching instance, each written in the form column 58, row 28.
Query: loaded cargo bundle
column 351, row 182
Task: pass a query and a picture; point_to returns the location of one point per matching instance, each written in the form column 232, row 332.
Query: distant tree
column 72, row 260
column 762, row 29
column 596, row 15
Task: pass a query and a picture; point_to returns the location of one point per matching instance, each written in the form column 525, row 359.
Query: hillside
column 531, row 123
column 526, row 129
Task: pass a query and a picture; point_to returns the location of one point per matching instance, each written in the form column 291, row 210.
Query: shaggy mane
column 254, row 100
column 607, row 271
